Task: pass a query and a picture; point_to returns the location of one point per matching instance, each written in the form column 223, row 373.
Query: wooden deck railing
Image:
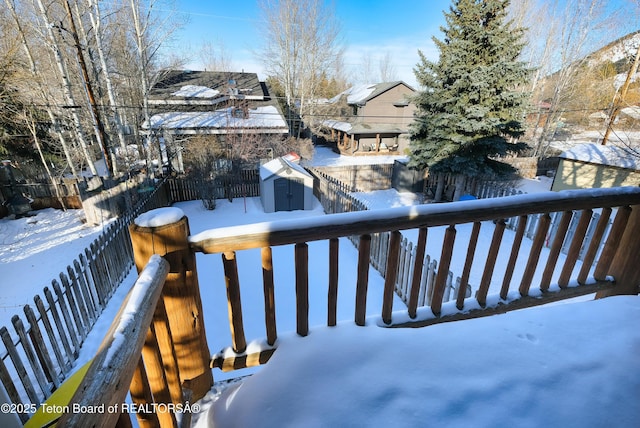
column 228, row 241
column 615, row 272
column 100, row 398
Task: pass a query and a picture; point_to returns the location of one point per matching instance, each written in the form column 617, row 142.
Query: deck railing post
column 165, row 231
column 624, row 266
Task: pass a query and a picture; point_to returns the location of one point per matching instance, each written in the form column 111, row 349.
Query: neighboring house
column 379, row 120
column 285, row 186
column 588, row 166
column 223, row 104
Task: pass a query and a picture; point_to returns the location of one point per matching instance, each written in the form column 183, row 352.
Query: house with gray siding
column 379, row 119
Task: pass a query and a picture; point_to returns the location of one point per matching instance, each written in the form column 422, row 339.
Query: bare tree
column 215, row 57
column 54, row 45
column 301, row 42
column 388, row 71
column 560, row 51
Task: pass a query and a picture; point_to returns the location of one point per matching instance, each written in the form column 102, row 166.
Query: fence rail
column 41, row 345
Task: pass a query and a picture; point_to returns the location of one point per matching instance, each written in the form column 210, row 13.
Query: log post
column 165, row 231
column 624, row 266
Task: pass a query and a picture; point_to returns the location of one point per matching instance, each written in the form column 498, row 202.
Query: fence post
column 165, row 231
column 624, row 266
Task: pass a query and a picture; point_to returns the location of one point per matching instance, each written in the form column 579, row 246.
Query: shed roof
column 621, row 157
column 278, row 165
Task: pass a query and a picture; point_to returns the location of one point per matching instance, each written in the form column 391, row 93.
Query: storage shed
column 285, row 186
column 594, row 166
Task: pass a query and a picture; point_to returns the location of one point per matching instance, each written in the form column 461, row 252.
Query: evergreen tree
column 471, row 104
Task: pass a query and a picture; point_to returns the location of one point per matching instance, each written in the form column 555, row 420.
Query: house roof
column 265, row 119
column 213, row 102
column 621, row 157
column 360, row 94
column 205, row 87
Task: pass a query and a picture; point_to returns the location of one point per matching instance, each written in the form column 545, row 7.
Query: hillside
column 585, row 97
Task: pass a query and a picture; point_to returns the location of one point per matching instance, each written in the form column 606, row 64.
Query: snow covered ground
column 567, row 365
column 34, row 250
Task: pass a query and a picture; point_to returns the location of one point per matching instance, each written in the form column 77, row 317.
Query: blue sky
column 369, row 28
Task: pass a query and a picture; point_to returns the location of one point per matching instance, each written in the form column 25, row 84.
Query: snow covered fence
column 39, row 353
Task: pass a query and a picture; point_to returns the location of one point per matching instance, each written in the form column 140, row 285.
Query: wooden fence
column 40, row 348
column 334, row 198
column 359, row 178
column 245, row 183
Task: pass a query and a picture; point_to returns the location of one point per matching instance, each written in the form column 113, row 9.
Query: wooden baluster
column 417, row 272
column 466, row 272
column 164, row 340
column 64, row 364
column 485, row 282
column 554, row 252
column 333, row 282
column 156, row 375
column 302, row 288
column 269, row 295
column 363, row 279
column 443, row 270
column 234, row 303
column 590, row 255
column 613, row 241
column 71, row 355
column 515, row 249
column 390, row 279
column 574, row 248
column 534, row 256
column 141, row 394
column 624, row 266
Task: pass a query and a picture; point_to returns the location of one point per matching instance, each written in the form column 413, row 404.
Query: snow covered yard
column 34, row 250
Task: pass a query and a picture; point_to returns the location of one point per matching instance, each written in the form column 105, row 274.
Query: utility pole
column 617, row 100
column 101, row 135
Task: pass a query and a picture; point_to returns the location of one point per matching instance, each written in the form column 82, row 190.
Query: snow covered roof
column 336, row 124
column 360, row 94
column 277, row 165
column 196, row 91
column 604, row 155
column 632, row 111
column 189, row 87
column 265, row 119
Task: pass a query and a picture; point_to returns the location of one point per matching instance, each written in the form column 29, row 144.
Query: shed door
column 288, row 194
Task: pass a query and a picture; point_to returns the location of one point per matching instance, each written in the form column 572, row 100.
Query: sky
column 369, row 28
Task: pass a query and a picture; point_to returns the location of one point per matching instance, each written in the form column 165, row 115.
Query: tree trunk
column 66, row 86
column 96, row 21
column 33, row 70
